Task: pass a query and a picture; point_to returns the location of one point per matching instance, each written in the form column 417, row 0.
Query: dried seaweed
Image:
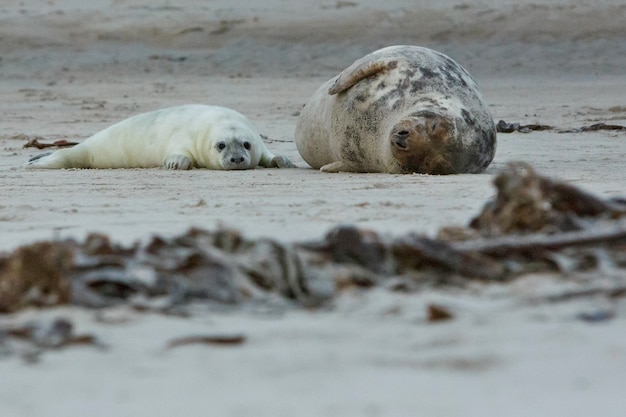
column 506, row 127
column 534, row 224
column 602, row 126
column 215, row 339
column 35, row 143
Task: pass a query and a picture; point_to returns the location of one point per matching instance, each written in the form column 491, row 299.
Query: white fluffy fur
column 180, row 137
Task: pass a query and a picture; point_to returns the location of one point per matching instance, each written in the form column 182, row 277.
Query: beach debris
column 602, row 126
column 612, row 292
column 534, row 224
column 506, row 127
column 529, row 203
column 596, row 316
column 234, row 339
column 35, row 143
column 170, row 58
column 340, row 5
column 413, row 252
column 36, row 337
column 35, row 275
column 438, row 313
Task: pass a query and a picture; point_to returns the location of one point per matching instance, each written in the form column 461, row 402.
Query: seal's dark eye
column 246, row 145
column 221, row 146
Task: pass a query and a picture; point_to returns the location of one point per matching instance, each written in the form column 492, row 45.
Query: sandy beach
column 70, row 68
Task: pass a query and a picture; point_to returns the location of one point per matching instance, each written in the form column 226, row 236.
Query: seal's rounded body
column 183, row 137
column 401, row 109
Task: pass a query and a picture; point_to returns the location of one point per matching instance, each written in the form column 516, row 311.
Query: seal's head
column 235, row 153
column 425, row 142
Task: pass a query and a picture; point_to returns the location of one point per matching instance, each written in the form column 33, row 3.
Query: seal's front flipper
column 281, row 162
column 338, row 166
column 361, row 69
column 177, row 161
column 269, row 160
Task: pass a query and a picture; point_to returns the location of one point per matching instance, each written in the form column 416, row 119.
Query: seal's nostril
column 401, row 144
column 400, row 139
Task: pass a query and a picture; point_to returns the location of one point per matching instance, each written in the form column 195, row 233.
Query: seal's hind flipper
column 36, row 157
column 359, row 70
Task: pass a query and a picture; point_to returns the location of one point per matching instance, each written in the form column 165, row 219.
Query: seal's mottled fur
column 400, row 109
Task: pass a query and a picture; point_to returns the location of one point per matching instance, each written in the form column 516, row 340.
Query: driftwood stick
column 613, row 292
column 504, row 245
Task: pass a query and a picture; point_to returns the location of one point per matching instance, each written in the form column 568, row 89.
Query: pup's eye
column 221, row 146
column 246, row 145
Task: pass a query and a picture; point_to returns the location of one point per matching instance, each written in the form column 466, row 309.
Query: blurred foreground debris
column 218, row 339
column 534, row 224
column 32, row 338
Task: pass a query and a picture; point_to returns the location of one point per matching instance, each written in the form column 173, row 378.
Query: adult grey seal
column 183, row 137
column 401, row 109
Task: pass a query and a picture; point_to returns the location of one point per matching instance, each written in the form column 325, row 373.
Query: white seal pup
column 183, row 137
column 401, row 109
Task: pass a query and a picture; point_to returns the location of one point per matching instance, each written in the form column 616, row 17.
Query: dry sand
column 69, row 68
